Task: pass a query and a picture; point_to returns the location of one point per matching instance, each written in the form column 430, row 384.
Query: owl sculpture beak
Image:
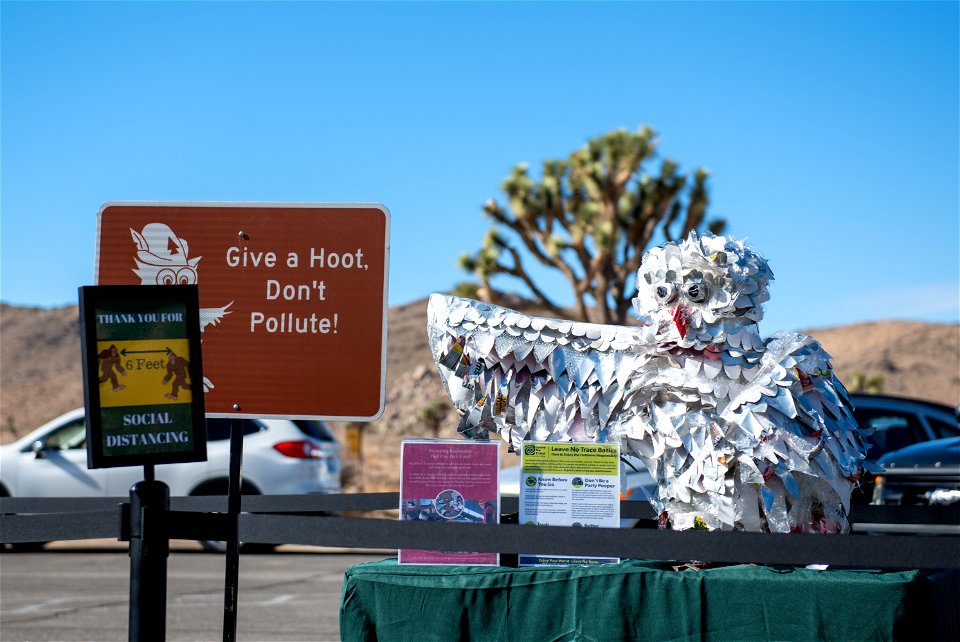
column 680, row 320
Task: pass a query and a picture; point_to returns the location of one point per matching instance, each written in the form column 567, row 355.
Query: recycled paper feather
column 740, row 432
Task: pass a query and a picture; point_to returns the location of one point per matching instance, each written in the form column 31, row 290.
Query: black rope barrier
column 334, row 503
column 311, row 520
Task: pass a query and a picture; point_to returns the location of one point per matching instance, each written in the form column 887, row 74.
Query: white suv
column 280, row 457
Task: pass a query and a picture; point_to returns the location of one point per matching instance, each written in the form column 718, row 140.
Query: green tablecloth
column 642, row 600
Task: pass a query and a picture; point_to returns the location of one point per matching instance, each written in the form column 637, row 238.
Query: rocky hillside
column 40, row 373
column 39, row 366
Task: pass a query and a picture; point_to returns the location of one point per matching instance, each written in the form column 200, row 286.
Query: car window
column 72, row 436
column 942, row 429
column 219, row 429
column 892, row 430
column 313, row 428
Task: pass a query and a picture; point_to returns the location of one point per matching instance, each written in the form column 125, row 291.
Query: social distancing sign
column 142, row 375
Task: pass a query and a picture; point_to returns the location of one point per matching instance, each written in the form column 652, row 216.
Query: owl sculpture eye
column 695, row 292
column 665, row 293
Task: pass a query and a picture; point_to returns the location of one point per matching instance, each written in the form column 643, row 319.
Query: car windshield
column 314, row 428
column 942, row 428
column 892, row 430
column 219, row 429
column 69, row 437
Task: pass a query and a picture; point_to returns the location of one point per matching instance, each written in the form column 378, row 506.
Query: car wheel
column 20, row 547
column 213, row 545
column 27, row 547
column 219, row 546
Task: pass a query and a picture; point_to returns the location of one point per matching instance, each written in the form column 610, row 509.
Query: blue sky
column 831, row 130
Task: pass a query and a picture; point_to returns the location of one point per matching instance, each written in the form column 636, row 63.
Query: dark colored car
column 921, row 474
column 901, row 421
column 898, row 422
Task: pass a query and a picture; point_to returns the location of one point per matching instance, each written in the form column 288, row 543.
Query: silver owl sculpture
column 740, row 432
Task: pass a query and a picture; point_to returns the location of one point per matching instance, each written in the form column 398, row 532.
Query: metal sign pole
column 149, row 549
column 232, row 574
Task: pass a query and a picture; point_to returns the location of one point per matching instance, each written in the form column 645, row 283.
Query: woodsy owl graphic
column 162, row 258
column 740, row 432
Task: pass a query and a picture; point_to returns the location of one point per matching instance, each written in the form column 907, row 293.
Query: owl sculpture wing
column 799, row 447
column 531, row 377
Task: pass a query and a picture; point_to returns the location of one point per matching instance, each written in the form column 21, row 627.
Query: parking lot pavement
column 80, row 591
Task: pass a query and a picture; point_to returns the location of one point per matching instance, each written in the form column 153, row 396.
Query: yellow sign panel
column 136, row 373
column 354, row 442
column 565, row 458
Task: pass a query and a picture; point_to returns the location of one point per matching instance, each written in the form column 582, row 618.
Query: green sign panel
column 143, row 379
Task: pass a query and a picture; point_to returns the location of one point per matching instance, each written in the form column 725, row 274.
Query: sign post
column 231, row 578
column 141, row 384
column 149, row 550
column 293, row 309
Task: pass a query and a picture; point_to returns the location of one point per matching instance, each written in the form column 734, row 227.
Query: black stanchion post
column 232, row 575
column 149, row 549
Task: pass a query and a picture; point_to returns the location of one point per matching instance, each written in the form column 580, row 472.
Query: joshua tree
column 591, row 217
column 868, row 384
column 433, row 414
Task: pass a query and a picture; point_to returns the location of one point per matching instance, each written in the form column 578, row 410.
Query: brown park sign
column 293, row 308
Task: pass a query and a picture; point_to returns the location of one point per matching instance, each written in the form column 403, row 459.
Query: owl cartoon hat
column 158, row 245
column 162, row 256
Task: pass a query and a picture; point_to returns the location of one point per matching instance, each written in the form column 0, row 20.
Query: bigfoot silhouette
column 176, row 370
column 110, row 359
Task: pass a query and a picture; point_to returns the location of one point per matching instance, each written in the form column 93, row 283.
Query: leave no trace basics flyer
column 569, row 484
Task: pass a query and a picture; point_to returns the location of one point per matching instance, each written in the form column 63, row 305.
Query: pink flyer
column 447, row 480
